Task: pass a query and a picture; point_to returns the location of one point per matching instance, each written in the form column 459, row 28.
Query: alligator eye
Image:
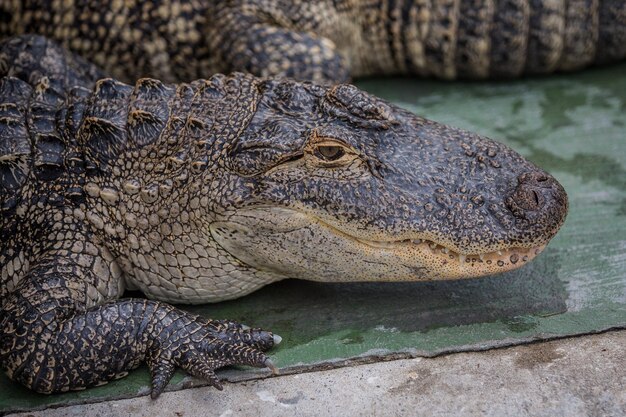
column 329, row 153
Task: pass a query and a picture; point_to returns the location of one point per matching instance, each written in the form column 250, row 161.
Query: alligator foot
column 200, row 346
column 105, row 342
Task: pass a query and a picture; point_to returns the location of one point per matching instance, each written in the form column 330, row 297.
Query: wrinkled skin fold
column 205, row 191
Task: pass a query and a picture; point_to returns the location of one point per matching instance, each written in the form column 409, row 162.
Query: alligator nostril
column 525, row 199
column 536, row 197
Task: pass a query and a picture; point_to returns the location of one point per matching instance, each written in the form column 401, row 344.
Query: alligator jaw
column 283, row 240
column 466, row 265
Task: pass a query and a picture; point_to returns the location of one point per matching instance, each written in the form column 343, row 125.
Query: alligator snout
column 537, row 197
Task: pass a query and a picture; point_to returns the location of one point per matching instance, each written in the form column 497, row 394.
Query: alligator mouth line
column 501, row 258
column 468, row 264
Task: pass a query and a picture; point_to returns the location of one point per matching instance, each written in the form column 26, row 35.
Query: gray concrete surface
column 581, row 376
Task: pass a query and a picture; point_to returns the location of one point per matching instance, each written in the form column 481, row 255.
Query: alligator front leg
column 53, row 341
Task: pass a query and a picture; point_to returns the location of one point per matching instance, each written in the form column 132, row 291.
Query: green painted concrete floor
column 572, row 125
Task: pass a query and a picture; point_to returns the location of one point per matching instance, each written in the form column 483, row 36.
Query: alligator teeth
column 440, row 249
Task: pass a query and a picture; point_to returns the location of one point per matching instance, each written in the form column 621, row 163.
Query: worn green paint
column 572, row 125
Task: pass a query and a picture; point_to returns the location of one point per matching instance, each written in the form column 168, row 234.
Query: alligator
column 328, row 40
column 206, row 191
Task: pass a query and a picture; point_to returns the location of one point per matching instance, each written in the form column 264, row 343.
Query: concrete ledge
column 580, row 376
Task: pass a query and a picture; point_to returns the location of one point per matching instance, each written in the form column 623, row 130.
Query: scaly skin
column 328, row 40
column 207, row 191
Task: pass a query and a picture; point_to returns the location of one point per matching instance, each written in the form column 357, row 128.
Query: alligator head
column 333, row 184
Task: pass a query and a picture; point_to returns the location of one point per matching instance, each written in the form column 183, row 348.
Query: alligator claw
column 161, row 375
column 268, row 363
column 232, row 332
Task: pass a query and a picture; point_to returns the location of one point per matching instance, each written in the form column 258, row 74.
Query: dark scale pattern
column 326, row 40
column 580, row 35
column 206, row 191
